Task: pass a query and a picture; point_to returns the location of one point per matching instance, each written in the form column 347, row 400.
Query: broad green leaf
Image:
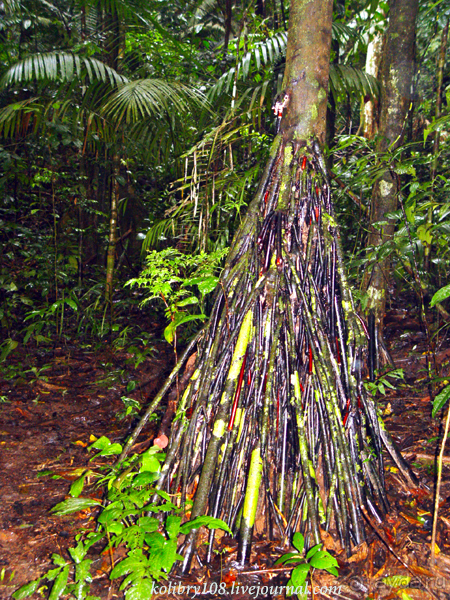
column 100, row 444
column 82, row 571
column 26, row 590
column 440, row 295
column 290, row 557
column 440, row 401
column 72, row 303
column 150, row 463
column 323, row 560
column 208, row 285
column 60, row 584
column 78, row 553
column 313, row 551
column 52, row 574
column 115, row 527
column 111, row 513
column 141, row 590
column 111, row 450
column 59, row 560
column 188, row 301
column 173, row 526
column 148, row 524
column 77, row 486
column 134, row 562
column 299, row 575
column 72, row 505
column 169, row 332
column 298, row 542
column 205, row 521
column 144, row 478
column 188, row 318
column 424, row 234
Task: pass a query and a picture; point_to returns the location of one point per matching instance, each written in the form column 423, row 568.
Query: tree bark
column 111, row 255
column 307, row 68
column 396, row 98
column 373, row 63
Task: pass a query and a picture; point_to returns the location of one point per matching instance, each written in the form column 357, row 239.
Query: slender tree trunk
column 373, row 63
column 396, row 97
column 112, row 230
column 228, row 14
column 437, row 135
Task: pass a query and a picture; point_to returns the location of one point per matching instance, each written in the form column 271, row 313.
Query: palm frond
column 346, row 79
column 16, row 119
column 60, row 67
column 342, row 32
column 144, row 98
column 11, row 6
column 264, row 53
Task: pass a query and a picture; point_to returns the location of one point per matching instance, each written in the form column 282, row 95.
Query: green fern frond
column 60, row 67
column 342, row 32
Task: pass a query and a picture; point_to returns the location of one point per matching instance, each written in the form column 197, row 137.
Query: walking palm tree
column 275, row 430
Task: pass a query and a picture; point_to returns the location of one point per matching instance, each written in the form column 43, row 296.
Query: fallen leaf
column 49, row 386
column 327, row 539
column 359, row 553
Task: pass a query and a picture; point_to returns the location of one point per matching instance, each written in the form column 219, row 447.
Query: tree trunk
column 437, row 134
column 275, row 432
column 373, row 62
column 112, row 230
column 396, row 97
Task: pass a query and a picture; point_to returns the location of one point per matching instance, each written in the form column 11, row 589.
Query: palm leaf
column 15, row 118
column 264, row 53
column 61, row 67
column 148, row 97
column 346, row 79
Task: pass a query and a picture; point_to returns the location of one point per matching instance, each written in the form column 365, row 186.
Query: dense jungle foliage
column 133, row 135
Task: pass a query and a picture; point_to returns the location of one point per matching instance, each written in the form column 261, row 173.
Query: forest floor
column 59, row 399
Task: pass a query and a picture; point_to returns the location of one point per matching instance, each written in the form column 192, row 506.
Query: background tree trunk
column 111, row 255
column 373, row 63
column 396, row 98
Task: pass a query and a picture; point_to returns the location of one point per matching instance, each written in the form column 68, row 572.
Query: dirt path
column 47, row 418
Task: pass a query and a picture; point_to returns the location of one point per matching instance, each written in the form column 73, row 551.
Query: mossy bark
column 307, row 69
column 397, row 72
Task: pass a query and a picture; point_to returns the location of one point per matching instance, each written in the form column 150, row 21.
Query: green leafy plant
column 181, row 281
column 134, row 515
column 131, row 408
column 382, row 382
column 315, row 558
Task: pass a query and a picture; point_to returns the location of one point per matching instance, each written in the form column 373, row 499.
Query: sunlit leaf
column 72, row 505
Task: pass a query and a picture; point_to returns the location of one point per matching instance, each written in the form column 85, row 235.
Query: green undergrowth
column 146, row 523
column 315, row 558
column 134, row 515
